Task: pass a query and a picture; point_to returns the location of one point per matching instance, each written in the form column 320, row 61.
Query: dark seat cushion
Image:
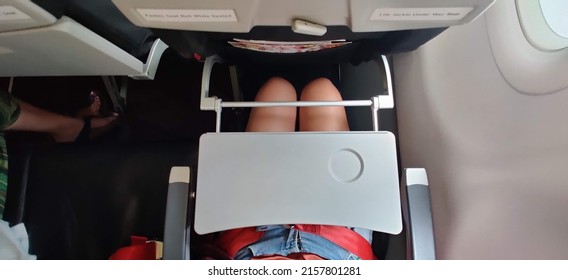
column 84, row 202
column 103, row 18
column 56, row 8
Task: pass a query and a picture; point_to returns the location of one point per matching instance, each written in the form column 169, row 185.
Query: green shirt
column 9, row 113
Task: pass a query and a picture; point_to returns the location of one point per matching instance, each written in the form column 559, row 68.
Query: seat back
column 373, row 27
column 241, row 16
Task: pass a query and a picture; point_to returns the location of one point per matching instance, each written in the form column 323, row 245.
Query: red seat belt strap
column 232, row 241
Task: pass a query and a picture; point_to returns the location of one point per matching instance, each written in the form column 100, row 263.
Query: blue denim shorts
column 281, row 240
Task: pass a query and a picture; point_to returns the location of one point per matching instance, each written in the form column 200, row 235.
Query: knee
column 277, row 89
column 278, row 82
column 320, row 89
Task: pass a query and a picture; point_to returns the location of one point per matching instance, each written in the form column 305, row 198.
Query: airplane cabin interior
column 456, row 146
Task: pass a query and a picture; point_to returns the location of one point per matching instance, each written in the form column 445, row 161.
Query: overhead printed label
column 177, row 15
column 11, row 13
column 418, row 14
column 4, row 50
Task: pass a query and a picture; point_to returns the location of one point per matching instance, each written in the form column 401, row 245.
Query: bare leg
column 62, row 128
column 274, row 118
column 322, row 118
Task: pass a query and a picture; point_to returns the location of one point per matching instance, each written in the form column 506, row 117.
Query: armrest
column 177, row 226
column 152, row 62
column 420, row 233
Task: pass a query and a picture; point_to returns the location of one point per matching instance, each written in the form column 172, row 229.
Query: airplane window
column 555, row 12
column 544, row 23
column 520, row 37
